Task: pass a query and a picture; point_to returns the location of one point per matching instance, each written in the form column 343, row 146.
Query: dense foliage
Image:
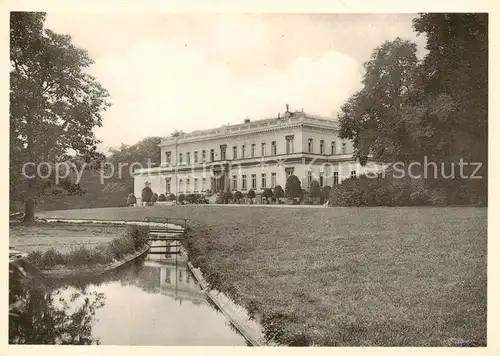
column 131, row 199
column 325, row 193
column 315, row 190
column 238, row 196
column 195, row 199
column 436, row 108
column 267, row 194
column 278, row 191
column 292, row 187
column 54, row 107
column 171, row 197
column 251, row 194
column 387, row 191
column 146, row 195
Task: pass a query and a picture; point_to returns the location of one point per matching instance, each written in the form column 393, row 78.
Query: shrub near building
column 267, row 194
column 292, row 188
column 279, row 193
column 251, row 195
column 315, row 191
column 238, row 196
column 383, row 191
column 146, row 195
column 325, row 193
column 171, row 197
column 131, row 200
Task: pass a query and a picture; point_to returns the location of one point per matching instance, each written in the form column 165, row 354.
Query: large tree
column 436, row 108
column 456, row 68
column 143, row 152
column 374, row 117
column 54, row 106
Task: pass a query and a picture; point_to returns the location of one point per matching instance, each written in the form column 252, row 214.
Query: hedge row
column 364, row 191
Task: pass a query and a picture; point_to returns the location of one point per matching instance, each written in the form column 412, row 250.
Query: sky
column 167, row 72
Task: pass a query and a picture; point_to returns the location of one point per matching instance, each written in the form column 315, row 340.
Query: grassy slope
column 111, row 193
column 343, row 276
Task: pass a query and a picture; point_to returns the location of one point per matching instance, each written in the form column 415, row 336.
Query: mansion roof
column 282, row 121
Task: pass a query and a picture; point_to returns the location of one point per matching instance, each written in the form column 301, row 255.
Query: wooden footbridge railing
column 168, row 234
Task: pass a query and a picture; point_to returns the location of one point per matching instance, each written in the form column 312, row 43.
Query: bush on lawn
column 131, row 200
column 162, row 197
column 292, row 188
column 278, row 192
column 154, row 198
column 223, row 197
column 194, row 199
column 238, row 196
column 146, row 194
column 266, row 194
column 229, row 196
column 315, row 191
column 325, row 193
column 181, row 198
column 171, row 197
column 251, row 195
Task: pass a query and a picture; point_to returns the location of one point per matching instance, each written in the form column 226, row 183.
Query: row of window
column 263, row 182
column 333, row 147
column 196, row 186
column 243, row 153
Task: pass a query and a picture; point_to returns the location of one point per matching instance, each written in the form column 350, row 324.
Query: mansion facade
column 253, row 155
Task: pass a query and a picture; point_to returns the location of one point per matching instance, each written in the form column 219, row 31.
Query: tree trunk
column 29, row 210
column 29, row 202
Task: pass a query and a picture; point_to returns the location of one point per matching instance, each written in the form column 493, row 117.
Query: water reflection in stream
column 151, row 301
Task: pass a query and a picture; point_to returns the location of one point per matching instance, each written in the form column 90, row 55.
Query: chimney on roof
column 246, row 121
column 279, row 115
column 287, row 108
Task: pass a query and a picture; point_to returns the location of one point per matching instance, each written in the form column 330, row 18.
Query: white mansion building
column 252, row 155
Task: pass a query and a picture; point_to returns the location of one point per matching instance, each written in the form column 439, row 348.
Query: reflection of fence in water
column 164, row 240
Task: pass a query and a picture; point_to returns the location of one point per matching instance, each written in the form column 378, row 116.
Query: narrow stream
column 153, row 300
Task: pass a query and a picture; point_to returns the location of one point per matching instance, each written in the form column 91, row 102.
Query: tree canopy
column 435, row 108
column 374, row 118
column 54, row 105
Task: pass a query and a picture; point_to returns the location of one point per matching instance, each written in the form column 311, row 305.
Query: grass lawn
column 342, row 276
column 42, row 237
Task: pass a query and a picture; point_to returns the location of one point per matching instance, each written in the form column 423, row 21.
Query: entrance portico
column 220, row 177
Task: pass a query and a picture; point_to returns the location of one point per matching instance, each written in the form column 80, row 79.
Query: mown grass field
column 342, row 276
column 42, row 237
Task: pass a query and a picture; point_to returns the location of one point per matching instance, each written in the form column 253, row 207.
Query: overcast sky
column 189, row 72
